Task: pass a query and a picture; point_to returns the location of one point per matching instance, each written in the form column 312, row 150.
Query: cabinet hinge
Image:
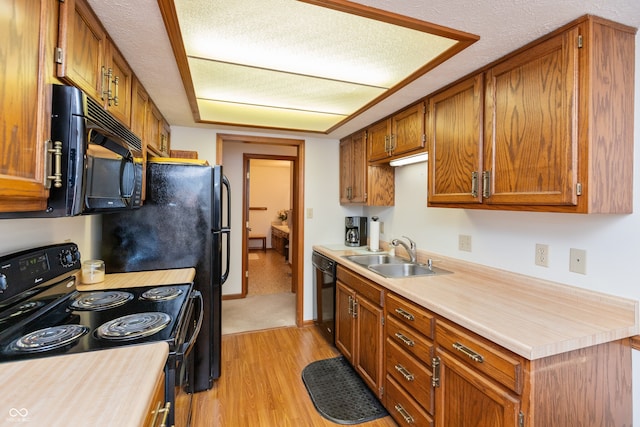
column 58, row 55
column 580, row 41
column 246, row 273
column 366, row 195
column 381, row 391
column 382, row 320
column 520, row 419
column 435, row 364
column 424, row 109
column 579, row 189
column 424, row 137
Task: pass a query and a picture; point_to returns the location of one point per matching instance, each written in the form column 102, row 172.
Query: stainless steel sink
column 374, row 259
column 406, row 270
column 393, row 267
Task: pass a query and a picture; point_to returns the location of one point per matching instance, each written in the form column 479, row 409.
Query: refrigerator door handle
column 225, row 275
column 225, row 183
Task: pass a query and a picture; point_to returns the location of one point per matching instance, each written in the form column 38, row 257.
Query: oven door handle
column 187, row 346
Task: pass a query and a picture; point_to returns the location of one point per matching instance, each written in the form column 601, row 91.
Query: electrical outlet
column 309, row 213
column 542, row 255
column 578, row 261
column 464, row 242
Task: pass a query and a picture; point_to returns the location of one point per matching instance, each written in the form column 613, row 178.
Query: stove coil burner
column 101, row 300
column 21, row 310
column 162, row 293
column 134, row 326
column 49, row 338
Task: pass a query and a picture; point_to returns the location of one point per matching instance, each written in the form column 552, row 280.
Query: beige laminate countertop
column 531, row 317
column 100, row 388
column 141, row 278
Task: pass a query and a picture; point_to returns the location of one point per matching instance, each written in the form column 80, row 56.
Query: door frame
column 297, row 191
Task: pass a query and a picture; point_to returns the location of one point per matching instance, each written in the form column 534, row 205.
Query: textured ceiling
column 503, row 25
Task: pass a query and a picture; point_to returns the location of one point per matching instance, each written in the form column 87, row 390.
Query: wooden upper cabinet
column 353, row 169
column 557, row 127
column 157, row 131
column 89, row 60
column 531, row 139
column 455, row 143
column 24, row 105
column 398, row 136
column 378, row 140
column 408, row 135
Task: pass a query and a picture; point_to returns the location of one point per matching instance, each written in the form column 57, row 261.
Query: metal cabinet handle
column 403, row 412
column 468, row 352
column 474, row 184
column 486, row 180
column 405, row 314
column 53, row 163
column 405, row 340
column 116, row 82
column 406, row 374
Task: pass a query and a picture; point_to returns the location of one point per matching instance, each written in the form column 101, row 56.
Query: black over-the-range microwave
column 96, row 161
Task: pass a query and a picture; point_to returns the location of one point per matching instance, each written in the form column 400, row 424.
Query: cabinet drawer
column 485, row 356
column 403, row 408
column 410, row 314
column 362, row 286
column 407, row 339
column 411, row 374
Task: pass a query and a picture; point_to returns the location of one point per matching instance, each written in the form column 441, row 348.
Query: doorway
column 296, row 243
column 268, row 201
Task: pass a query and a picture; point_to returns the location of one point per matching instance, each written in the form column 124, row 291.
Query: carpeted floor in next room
column 269, row 302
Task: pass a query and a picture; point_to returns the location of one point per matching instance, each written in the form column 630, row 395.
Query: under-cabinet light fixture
column 417, row 158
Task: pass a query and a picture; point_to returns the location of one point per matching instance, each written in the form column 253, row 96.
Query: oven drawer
column 413, row 375
column 403, row 408
column 494, row 361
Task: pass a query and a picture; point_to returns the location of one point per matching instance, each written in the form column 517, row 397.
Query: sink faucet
column 410, row 248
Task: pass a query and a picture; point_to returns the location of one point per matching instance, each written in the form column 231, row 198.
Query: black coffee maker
column 355, row 231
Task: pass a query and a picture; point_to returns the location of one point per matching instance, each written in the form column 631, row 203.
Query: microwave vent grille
column 96, row 113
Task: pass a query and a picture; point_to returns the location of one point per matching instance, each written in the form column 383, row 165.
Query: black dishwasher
column 324, row 280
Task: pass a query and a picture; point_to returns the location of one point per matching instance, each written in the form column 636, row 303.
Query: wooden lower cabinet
column 482, row 384
column 158, row 407
column 359, row 330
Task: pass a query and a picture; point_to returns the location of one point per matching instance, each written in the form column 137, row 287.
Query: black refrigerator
column 184, row 222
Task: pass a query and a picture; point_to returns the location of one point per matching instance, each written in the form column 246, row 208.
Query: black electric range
column 42, row 314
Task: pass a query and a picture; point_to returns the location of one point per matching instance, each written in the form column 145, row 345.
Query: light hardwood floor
column 261, row 383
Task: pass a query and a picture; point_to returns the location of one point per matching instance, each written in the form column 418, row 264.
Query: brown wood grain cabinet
column 587, row 387
column 157, row 132
column 359, row 329
column 455, row 143
column 409, row 391
column 88, row 59
column 25, row 103
column 557, row 127
column 399, row 135
column 157, row 406
column 360, row 182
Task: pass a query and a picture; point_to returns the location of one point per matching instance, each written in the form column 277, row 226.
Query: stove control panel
column 24, row 270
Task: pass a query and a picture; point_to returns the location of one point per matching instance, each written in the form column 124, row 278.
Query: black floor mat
column 339, row 394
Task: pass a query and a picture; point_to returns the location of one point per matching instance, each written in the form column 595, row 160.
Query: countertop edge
column 501, row 280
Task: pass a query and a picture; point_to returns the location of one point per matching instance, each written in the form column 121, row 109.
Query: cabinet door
column 531, row 125
column 139, row 103
column 359, row 168
column 353, row 169
column 378, row 140
column 120, row 87
column 369, row 343
column 345, row 324
column 24, row 124
column 153, row 123
column 407, row 133
column 465, row 398
column 346, row 170
column 455, row 143
column 83, row 42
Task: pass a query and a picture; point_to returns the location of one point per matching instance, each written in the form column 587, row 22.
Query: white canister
column 92, row 271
